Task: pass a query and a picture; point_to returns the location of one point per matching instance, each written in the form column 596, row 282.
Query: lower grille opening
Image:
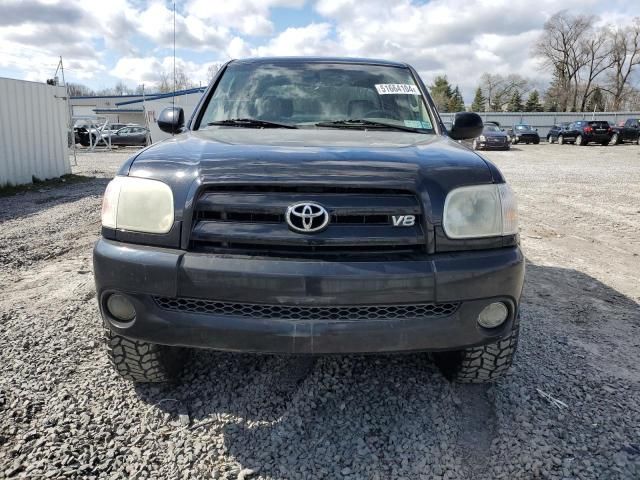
column 298, row 312
column 338, row 251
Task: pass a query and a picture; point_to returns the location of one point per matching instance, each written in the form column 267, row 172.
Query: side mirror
column 466, row 125
column 171, row 120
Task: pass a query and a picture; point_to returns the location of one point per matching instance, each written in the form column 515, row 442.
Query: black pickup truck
column 311, row 206
column 629, row 131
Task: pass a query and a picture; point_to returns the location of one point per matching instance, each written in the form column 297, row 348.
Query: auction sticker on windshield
column 397, row 89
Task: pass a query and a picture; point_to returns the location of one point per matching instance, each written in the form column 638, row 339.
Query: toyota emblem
column 307, row 217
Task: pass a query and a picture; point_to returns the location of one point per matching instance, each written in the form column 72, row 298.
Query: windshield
column 304, row 94
column 491, row 128
column 523, row 127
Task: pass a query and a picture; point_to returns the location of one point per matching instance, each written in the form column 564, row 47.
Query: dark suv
column 584, row 132
column 629, row 131
column 555, row 131
column 311, row 206
column 523, row 133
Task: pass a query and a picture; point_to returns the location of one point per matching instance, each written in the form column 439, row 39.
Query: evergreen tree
column 596, row 101
column 479, row 101
column 441, row 93
column 515, row 102
column 533, row 103
column 456, row 102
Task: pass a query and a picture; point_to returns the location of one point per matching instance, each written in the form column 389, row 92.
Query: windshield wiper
column 359, row 123
column 250, row 123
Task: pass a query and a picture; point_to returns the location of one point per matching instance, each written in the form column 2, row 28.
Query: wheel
column 144, row 362
column 580, row 141
column 481, row 364
column 615, row 139
column 638, row 141
column 536, row 142
column 549, row 139
column 514, row 141
column 508, row 147
column 475, row 145
column 560, row 139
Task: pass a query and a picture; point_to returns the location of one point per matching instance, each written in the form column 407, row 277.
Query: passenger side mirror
column 171, row 120
column 466, row 125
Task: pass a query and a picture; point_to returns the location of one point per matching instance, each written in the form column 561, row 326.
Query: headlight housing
column 482, row 138
column 480, row 211
column 138, row 205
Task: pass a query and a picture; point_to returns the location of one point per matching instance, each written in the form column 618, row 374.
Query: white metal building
column 153, row 105
column 136, row 108
column 33, row 132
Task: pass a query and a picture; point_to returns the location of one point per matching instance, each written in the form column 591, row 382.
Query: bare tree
column 166, row 82
column 499, row 89
column 598, row 53
column 79, row 90
column 562, row 46
column 625, row 56
column 121, row 88
column 212, row 70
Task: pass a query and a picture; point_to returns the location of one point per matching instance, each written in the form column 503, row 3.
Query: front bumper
column 472, row 279
column 487, row 145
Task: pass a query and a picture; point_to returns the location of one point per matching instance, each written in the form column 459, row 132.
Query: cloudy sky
column 104, row 41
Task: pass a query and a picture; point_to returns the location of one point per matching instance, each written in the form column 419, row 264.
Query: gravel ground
column 569, row 409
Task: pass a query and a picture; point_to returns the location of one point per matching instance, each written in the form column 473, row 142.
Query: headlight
column 480, row 211
column 138, row 204
column 482, row 138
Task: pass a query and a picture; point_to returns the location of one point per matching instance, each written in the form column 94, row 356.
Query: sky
column 132, row 40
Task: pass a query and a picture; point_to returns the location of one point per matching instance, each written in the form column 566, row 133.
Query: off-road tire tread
column 482, row 364
column 142, row 361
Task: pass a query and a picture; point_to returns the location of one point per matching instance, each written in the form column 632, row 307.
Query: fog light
column 493, row 315
column 121, row 308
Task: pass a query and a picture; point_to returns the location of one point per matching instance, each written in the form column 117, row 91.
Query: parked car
column 629, row 131
column 584, row 132
column 111, row 128
column 85, row 135
column 130, row 136
column 523, row 133
column 493, row 137
column 269, row 224
column 554, row 131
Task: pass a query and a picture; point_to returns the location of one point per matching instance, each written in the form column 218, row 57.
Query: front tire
column 615, row 139
column 475, row 145
column 482, row 364
column 580, row 141
column 549, row 139
column 560, row 140
column 144, row 362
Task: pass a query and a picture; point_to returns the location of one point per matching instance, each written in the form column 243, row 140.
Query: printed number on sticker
column 397, row 89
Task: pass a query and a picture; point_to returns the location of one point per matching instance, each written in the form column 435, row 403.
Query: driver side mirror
column 171, row 120
column 466, row 125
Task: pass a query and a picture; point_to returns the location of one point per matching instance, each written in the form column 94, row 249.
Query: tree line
column 163, row 84
column 591, row 66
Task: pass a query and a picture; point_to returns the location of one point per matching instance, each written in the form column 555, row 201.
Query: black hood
column 490, row 133
column 429, row 165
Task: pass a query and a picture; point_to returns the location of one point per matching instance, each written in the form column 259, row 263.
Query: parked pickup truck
column 311, row 206
column 628, row 132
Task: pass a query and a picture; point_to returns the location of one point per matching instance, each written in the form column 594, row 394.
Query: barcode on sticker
column 397, row 89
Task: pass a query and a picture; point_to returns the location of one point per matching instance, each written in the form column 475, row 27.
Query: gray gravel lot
column 569, row 409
